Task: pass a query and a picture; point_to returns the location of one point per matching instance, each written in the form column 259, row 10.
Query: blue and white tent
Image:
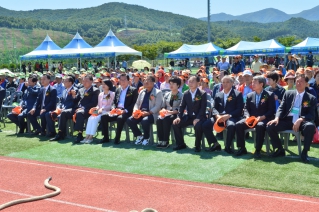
column 46, row 48
column 268, row 47
column 110, row 46
column 74, row 49
column 309, row 44
column 190, row 51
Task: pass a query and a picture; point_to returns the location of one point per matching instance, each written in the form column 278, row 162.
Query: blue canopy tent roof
column 190, row 51
column 74, row 49
column 43, row 51
column 309, row 44
column 110, row 46
column 268, row 47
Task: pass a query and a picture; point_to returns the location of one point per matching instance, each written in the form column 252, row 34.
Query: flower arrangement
column 129, row 94
column 86, row 94
column 229, row 98
column 264, row 99
column 47, row 93
column 174, row 97
column 107, row 96
column 152, row 97
column 305, row 104
column 197, row 98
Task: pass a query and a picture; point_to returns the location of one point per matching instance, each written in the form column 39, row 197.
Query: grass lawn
column 281, row 174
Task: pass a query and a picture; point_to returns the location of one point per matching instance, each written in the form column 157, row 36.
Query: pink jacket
column 109, row 101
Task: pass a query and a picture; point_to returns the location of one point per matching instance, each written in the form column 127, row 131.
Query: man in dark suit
column 21, row 86
column 261, row 104
column 125, row 99
column 296, row 112
column 46, row 102
column 67, row 104
column 228, row 105
column 87, row 98
column 28, row 100
column 195, row 102
column 219, row 87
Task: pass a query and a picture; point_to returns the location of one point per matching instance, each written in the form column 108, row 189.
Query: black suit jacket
column 234, row 104
column 308, row 105
column 11, row 85
column 266, row 107
column 49, row 101
column 87, row 100
column 130, row 99
column 30, row 97
column 196, row 106
column 67, row 102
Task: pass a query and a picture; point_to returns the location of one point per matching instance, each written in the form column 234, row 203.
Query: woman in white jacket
column 104, row 105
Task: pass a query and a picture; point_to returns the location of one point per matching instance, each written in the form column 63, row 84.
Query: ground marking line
column 59, row 201
column 165, row 182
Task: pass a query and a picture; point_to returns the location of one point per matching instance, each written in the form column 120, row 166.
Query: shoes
column 116, row 141
column 145, row 142
column 43, row 134
column 279, row 153
column 78, row 139
column 257, row 154
column 139, row 140
column 215, row 147
column 36, row 132
column 197, row 149
column 58, row 137
column 160, row 144
column 241, row 151
column 304, row 157
column 51, row 135
column 89, row 141
column 83, row 141
column 180, row 147
column 103, row 140
column 229, row 150
column 165, row 144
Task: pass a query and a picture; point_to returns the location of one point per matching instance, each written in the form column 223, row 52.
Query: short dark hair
column 33, row 77
column 152, row 70
column 196, row 77
column 125, row 75
column 89, row 76
column 108, row 83
column 70, row 78
column 302, row 76
column 273, row 75
column 47, row 76
column 225, row 72
column 175, row 79
column 150, row 77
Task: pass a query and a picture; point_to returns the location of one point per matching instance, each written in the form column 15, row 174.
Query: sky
column 192, row 8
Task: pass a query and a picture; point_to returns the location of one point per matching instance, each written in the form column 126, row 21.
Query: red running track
column 86, row 189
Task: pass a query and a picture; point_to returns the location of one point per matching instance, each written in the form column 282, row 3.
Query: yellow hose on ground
column 56, row 192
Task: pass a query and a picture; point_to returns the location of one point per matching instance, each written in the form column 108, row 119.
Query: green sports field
column 281, row 174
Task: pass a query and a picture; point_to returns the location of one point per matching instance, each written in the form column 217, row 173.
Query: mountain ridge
column 268, row 15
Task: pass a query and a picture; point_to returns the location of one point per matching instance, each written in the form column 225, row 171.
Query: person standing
column 309, row 59
column 255, row 66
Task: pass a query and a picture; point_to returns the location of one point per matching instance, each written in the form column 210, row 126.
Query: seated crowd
column 265, row 100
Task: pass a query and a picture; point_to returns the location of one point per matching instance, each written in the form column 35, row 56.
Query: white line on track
column 172, row 183
column 59, row 201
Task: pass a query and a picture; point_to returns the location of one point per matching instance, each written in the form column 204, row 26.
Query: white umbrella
column 140, row 64
column 5, row 71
